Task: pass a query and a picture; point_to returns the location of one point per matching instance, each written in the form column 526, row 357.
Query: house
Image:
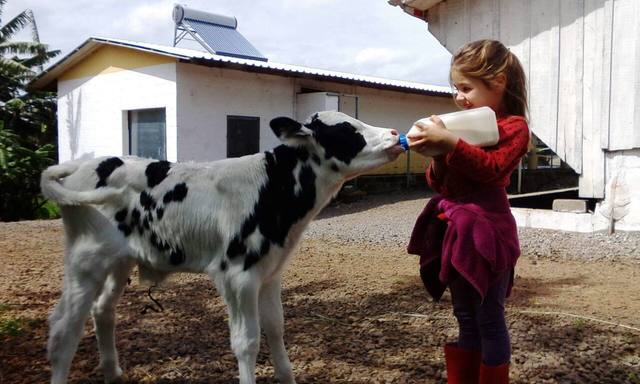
column 118, row 97
column 582, row 58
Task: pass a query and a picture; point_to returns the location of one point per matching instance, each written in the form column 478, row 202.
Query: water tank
column 180, row 12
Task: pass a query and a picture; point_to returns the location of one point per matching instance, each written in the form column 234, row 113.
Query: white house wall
column 206, row 96
column 92, row 110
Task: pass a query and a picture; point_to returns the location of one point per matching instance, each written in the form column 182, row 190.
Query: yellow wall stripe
column 109, row 59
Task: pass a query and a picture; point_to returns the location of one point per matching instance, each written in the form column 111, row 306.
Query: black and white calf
column 237, row 220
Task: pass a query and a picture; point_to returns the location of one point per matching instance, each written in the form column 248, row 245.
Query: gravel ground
column 355, row 309
column 388, row 219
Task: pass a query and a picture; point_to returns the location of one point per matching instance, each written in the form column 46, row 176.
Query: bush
column 20, row 169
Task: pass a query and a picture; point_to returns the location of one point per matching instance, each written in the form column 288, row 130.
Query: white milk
column 476, row 126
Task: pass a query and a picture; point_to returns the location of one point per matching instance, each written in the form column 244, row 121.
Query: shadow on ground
column 332, row 336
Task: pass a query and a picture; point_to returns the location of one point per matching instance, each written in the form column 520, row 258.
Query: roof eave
column 311, row 76
column 47, row 79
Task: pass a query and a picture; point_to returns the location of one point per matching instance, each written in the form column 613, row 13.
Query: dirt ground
column 354, row 313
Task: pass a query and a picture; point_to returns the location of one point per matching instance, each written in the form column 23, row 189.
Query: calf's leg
column 272, row 320
column 104, row 319
column 242, row 304
column 67, row 322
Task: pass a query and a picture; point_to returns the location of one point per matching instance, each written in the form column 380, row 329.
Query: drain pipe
column 520, row 176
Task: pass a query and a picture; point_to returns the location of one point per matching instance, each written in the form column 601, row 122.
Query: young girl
column 466, row 236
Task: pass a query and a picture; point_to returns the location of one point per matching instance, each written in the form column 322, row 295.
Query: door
column 243, row 135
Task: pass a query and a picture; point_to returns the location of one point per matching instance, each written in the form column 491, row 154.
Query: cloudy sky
column 367, row 37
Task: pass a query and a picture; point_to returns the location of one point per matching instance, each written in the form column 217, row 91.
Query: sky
column 366, row 37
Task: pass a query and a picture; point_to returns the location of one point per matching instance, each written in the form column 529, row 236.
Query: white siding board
column 607, row 11
column 482, row 16
column 515, row 27
column 570, row 84
column 624, row 74
column 591, row 181
column 456, row 24
column 434, row 24
column 544, row 59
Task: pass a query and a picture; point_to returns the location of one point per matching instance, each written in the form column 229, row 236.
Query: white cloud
column 358, row 36
column 376, row 56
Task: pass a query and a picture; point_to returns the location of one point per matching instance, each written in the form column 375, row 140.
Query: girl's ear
column 500, row 81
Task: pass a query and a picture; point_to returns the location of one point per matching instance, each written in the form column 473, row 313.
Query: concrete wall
column 206, row 95
column 92, row 110
column 94, row 96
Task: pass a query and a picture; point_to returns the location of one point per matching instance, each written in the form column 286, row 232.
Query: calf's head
column 344, row 144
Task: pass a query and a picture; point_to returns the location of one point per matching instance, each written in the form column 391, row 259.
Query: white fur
column 99, row 258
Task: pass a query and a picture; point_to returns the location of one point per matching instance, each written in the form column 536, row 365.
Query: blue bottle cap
column 403, row 142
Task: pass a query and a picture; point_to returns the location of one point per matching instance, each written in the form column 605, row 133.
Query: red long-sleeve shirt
column 468, row 168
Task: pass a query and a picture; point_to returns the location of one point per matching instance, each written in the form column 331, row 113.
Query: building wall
column 93, row 98
column 207, row 95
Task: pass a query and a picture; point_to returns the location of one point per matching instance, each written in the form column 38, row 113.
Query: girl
column 466, row 236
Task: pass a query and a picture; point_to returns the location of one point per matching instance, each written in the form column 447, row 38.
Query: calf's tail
column 53, row 189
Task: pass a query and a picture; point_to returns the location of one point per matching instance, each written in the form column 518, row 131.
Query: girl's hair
column 484, row 60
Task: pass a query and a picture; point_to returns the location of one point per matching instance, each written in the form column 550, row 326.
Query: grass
column 49, row 210
column 9, row 326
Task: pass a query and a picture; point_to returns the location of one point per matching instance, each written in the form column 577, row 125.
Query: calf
column 237, row 220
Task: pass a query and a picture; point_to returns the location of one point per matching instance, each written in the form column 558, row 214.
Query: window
column 243, row 135
column 147, row 133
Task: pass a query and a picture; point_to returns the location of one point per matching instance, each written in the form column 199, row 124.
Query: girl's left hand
column 432, row 135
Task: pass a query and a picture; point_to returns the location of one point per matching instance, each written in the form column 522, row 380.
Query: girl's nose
column 394, row 132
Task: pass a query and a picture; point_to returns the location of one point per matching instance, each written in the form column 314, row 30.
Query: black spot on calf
column 105, row 169
column 124, row 228
column 147, row 201
column 121, row 215
column 167, row 197
column 159, row 213
column 177, row 257
column 135, row 217
column 180, row 192
column 279, row 206
column 340, row 141
column 156, row 172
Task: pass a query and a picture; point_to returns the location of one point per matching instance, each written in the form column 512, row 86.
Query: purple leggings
column 481, row 323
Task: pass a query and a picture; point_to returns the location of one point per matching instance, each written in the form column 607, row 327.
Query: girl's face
column 473, row 93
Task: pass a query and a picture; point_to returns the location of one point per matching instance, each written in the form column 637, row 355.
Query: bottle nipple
column 404, row 143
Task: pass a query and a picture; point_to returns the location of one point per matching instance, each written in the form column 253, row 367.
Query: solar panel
column 216, row 33
column 225, row 41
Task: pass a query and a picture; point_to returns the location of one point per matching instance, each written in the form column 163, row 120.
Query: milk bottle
column 476, row 126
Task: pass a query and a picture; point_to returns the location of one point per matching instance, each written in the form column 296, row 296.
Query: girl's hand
column 432, row 135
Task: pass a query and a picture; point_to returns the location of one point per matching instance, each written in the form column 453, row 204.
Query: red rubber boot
column 494, row 375
column 463, row 365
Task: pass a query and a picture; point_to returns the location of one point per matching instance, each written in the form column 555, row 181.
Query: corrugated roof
column 46, row 80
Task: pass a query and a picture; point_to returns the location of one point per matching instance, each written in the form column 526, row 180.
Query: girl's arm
column 485, row 165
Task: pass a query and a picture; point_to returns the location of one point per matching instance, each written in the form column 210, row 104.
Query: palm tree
column 19, row 60
column 27, row 119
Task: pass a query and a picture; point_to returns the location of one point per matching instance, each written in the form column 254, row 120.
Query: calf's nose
column 394, row 132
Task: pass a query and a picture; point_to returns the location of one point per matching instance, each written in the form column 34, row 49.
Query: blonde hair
column 484, row 60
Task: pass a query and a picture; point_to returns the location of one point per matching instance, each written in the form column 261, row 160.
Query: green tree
column 27, row 119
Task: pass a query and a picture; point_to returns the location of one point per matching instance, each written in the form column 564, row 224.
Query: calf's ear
column 287, row 128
